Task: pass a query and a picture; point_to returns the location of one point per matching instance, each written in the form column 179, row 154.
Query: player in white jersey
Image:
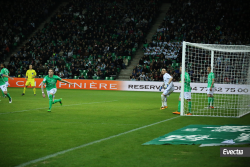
column 169, row 88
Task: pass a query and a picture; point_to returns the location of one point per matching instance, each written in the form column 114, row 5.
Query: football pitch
column 101, row 128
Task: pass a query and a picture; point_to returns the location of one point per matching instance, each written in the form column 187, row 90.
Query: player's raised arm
column 7, row 76
column 66, row 82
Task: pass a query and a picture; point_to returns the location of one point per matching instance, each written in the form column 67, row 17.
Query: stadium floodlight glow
column 230, row 65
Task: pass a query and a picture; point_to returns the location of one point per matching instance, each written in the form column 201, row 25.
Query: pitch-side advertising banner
column 77, row 84
column 151, row 86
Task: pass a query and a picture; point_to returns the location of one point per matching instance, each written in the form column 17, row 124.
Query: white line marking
column 84, row 145
column 57, row 106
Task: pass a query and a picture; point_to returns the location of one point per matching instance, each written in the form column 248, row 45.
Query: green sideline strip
column 205, row 134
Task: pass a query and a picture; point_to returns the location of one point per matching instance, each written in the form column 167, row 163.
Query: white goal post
column 230, row 65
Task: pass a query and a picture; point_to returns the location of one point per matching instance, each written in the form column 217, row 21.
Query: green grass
column 29, row 132
column 226, row 105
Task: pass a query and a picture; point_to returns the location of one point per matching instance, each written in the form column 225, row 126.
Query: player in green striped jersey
column 3, row 86
column 210, row 88
column 50, row 81
column 5, row 71
column 187, row 94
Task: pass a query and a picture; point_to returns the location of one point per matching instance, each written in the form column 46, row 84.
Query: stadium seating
column 195, row 21
column 23, row 18
column 90, row 40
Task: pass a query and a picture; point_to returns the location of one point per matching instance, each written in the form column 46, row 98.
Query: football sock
column 24, row 89
column 179, row 106
column 212, row 101
column 2, row 93
column 209, row 99
column 50, row 101
column 56, row 100
column 165, row 101
column 34, row 90
column 162, row 100
column 8, row 95
column 189, row 106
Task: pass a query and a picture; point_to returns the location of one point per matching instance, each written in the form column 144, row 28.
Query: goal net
column 230, row 65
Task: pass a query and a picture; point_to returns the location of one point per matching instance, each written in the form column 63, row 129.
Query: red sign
column 77, row 84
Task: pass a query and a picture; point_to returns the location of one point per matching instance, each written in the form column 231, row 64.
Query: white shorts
column 187, row 95
column 53, row 91
column 169, row 90
column 3, row 88
column 7, row 83
column 210, row 92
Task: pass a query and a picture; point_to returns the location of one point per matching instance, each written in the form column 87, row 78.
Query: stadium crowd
column 19, row 19
column 209, row 22
column 96, row 39
column 87, row 39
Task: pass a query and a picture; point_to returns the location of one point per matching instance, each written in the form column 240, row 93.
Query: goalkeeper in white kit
column 169, row 88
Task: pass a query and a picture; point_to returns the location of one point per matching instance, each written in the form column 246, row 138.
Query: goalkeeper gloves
column 160, row 88
column 166, row 86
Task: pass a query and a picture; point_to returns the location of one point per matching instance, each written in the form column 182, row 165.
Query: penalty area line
column 57, row 106
column 87, row 144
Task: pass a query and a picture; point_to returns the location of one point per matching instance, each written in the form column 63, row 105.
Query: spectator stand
column 195, row 21
column 78, row 43
column 19, row 20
